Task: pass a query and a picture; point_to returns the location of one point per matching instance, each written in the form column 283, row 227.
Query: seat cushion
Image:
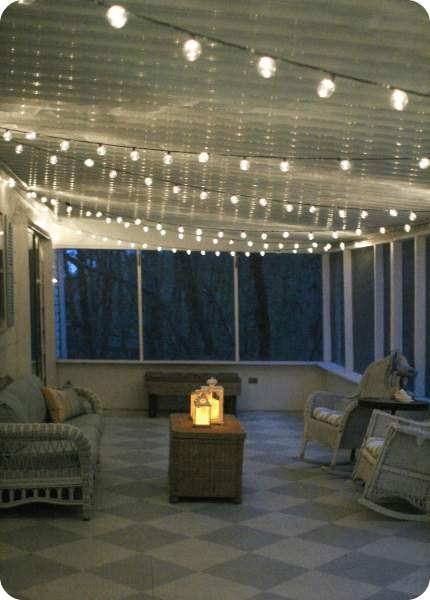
column 28, row 388
column 11, row 410
column 333, row 417
column 374, row 446
column 63, row 404
column 92, row 425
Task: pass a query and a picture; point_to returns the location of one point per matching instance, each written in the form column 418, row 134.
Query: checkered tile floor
column 299, row 533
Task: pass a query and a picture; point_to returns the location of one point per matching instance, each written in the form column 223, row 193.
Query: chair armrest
column 92, row 398
column 37, row 432
column 321, row 399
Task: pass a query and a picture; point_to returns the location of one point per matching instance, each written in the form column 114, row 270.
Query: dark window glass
column 363, row 304
column 337, row 318
column 280, row 307
column 408, row 270
column 188, row 306
column 97, row 292
column 387, row 298
column 427, row 392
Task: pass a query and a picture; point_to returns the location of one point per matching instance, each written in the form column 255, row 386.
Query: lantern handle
column 212, row 381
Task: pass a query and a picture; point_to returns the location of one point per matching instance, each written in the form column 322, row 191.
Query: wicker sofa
column 42, row 460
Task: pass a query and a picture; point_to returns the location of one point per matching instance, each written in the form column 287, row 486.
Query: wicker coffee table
column 205, row 462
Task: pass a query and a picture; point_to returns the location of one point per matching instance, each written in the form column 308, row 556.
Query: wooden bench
column 158, row 383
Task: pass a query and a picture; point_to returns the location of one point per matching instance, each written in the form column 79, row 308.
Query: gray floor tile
column 301, row 490
column 389, row 595
column 367, row 569
column 141, row 572
column 139, row 510
column 242, row 538
column 38, row 537
column 318, row 510
column 22, row 572
column 234, row 513
column 258, row 571
column 344, row 537
column 141, row 537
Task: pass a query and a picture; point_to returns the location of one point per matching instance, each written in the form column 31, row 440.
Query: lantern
column 202, row 412
column 215, row 395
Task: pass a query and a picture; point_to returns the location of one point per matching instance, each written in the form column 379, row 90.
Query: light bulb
column 250, row 243
column 296, row 246
column 145, row 229
column 220, row 234
column 203, row 157
column 424, row 163
column 247, row 254
column 364, row 214
column 203, row 252
column 314, row 245
column 158, row 226
column 203, row 195
column 217, row 253
column 45, row 199
column 289, row 207
column 312, row 209
column 264, row 236
column 266, row 246
column 393, row 212
column 163, row 232
column 167, row 159
column 7, row 136
column 53, row 159
column 176, row 189
column 108, row 220
column 181, row 236
column 88, row 213
column 262, row 253
column 192, row 50
column 64, row 146
column 19, row 149
column 134, row 155
column 138, row 221
column 113, row 174
column 234, row 199
column 311, row 236
column 89, row 162
column 285, row 234
column 126, row 224
column 98, row 214
column 266, row 67
column 407, row 227
column 280, row 246
column 342, row 246
column 31, row 135
column 215, row 240
column 263, row 201
column 199, row 232
column 119, row 219
column 342, row 213
column 284, row 166
column 174, row 250
column 232, row 253
column 181, row 229
column 358, row 231
column 243, row 234
column 117, row 16
column 399, row 99
column 326, row 88
column 335, row 235
column 69, row 209
column 244, row 164
column 148, row 181
column 345, row 164
column 101, row 150
column 412, row 216
column 382, row 230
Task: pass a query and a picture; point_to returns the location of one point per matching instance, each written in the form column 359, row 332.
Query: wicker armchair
column 338, row 422
column 52, row 462
column 394, row 462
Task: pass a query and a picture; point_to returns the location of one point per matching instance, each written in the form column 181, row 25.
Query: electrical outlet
column 253, row 380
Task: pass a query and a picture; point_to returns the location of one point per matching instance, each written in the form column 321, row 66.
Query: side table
column 393, row 405
column 205, row 461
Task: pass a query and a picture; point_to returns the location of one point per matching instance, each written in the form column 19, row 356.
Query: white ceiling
column 65, row 73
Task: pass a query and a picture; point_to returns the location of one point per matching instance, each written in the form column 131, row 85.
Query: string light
column 176, row 189
column 89, row 162
column 326, row 88
column 101, row 150
column 399, row 99
column 204, row 195
column 289, row 207
column 412, row 216
column 364, row 214
column 19, row 148
column 266, row 67
column 117, row 16
column 203, row 157
column 7, row 136
column 148, row 181
column 284, row 166
column 424, row 163
column 53, row 159
column 192, row 50
column 167, row 159
column 245, row 164
column 263, row 201
column 393, row 212
column 342, row 213
column 408, row 227
column 31, row 135
column 113, row 174
column 64, row 146
column 134, row 155
column 345, row 165
column 234, row 199
column 312, row 209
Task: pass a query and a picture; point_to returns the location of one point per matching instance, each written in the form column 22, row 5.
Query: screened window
column 280, row 307
column 363, row 303
column 337, row 317
column 97, row 304
column 188, row 306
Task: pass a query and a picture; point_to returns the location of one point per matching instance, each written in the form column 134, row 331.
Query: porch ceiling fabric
column 67, row 75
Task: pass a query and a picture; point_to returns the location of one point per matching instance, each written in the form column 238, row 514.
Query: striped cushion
column 62, row 404
column 327, row 415
column 374, row 446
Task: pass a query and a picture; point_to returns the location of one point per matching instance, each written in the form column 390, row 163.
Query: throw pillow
column 86, row 403
column 62, row 404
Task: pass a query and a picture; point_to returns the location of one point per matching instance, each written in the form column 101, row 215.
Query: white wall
column 280, row 386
